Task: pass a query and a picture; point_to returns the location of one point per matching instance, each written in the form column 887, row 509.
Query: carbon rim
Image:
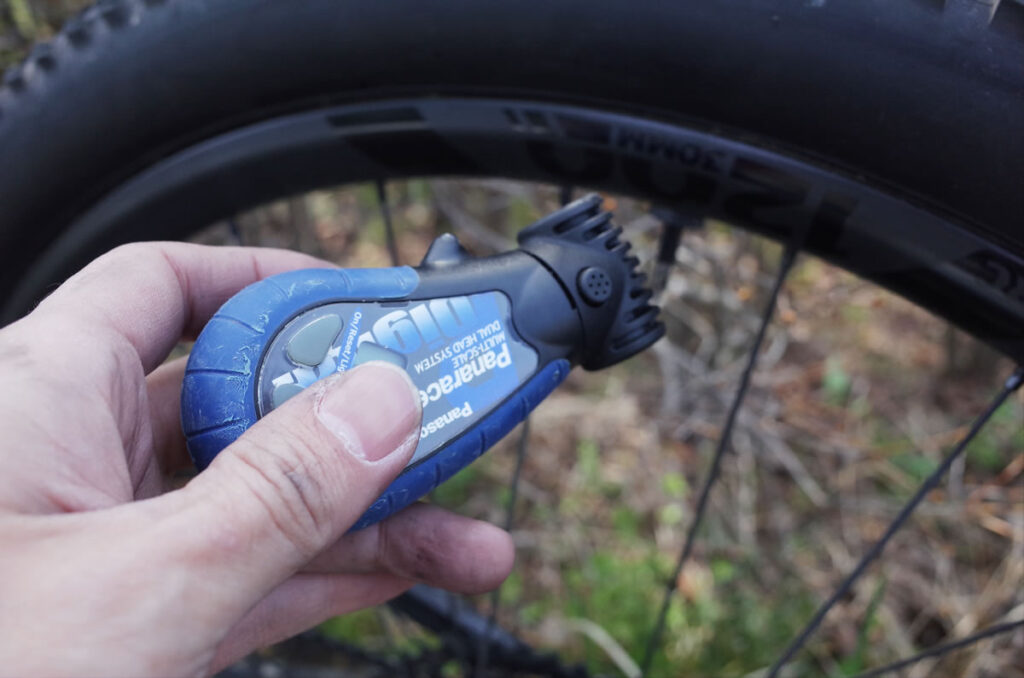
column 917, row 253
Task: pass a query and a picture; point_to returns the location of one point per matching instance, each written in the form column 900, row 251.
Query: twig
column 609, row 645
column 788, row 458
column 461, row 220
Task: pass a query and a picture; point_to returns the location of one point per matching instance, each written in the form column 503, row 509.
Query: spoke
column 521, row 450
column 389, row 229
column 788, row 257
column 565, row 194
column 1011, row 385
column 940, row 650
column 235, row 231
column 510, row 514
column 672, row 226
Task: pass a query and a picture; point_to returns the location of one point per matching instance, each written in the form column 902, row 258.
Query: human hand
column 105, row 574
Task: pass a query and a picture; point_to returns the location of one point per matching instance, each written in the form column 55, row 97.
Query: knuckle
column 129, row 251
column 133, row 260
column 286, row 477
column 132, row 255
column 149, row 258
column 417, row 558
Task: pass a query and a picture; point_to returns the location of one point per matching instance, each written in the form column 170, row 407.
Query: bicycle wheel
column 701, row 108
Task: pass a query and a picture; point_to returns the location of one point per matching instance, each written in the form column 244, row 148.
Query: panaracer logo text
column 480, row 365
column 448, row 417
column 427, row 323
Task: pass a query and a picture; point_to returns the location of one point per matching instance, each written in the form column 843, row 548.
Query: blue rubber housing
column 459, row 453
column 218, row 398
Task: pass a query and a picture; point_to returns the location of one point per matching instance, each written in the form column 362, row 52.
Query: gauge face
column 462, row 353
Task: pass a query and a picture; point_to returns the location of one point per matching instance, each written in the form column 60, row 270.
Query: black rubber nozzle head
column 581, row 246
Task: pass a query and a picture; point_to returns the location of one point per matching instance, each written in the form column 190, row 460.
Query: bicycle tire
column 84, row 115
column 84, row 112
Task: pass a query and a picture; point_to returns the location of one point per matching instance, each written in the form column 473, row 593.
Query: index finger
column 153, row 294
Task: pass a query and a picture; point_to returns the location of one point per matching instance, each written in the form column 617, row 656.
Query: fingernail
column 373, row 409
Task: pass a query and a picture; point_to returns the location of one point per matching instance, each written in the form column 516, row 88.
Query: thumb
column 300, row 477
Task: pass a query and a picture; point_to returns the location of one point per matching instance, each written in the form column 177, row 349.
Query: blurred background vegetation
column 23, row 22
column 857, row 396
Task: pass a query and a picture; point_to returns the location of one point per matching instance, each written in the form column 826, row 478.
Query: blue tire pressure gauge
column 484, row 339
